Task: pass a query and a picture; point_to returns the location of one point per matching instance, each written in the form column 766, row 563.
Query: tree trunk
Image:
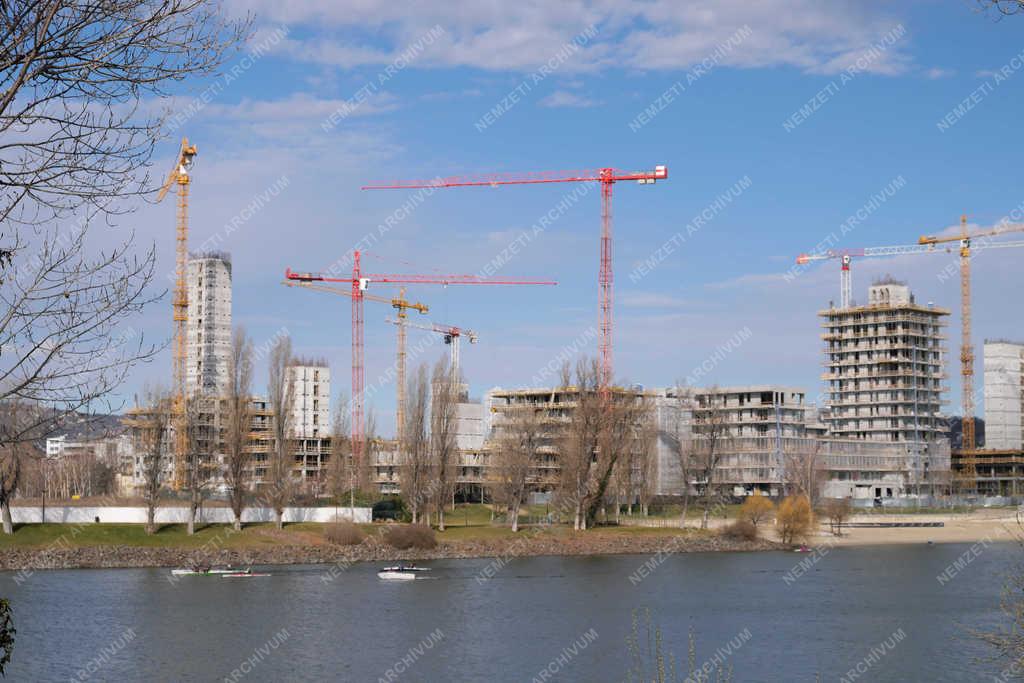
column 8, row 522
column 151, row 519
column 192, row 519
column 238, row 521
column 440, row 517
column 515, row 518
column 279, row 518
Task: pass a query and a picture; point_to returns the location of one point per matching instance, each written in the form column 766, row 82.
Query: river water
column 879, row 612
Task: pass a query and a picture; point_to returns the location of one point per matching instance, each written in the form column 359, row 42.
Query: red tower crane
column 607, row 177
column 359, row 282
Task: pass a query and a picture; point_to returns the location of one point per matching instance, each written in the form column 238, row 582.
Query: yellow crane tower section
column 180, row 175
column 966, row 346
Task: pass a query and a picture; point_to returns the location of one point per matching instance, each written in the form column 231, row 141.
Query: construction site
column 879, row 434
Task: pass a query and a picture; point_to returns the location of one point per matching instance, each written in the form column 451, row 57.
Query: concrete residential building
column 311, row 415
column 311, row 397
column 884, row 367
column 1004, row 395
column 884, row 380
column 763, row 424
column 209, row 323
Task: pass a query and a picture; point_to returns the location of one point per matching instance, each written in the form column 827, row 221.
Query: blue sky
column 884, row 75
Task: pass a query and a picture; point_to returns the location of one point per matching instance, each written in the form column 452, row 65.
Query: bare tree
column 72, row 77
column 518, row 451
column 200, row 448
column 805, row 471
column 1007, row 7
column 15, row 455
column 64, row 339
column 370, row 450
column 414, row 470
column 579, row 440
column 281, row 390
column 838, row 510
column 676, row 432
column 443, row 449
column 342, row 476
column 155, row 433
column 644, row 471
column 621, row 411
column 237, row 423
column 711, row 438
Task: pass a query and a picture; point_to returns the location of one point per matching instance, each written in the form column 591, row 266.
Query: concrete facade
column 208, row 346
column 1004, row 395
column 311, row 399
column 884, row 368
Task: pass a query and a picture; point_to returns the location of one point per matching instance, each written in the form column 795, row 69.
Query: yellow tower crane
column 180, row 175
column 400, row 304
column 966, row 346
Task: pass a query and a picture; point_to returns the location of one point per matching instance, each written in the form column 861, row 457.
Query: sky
column 786, row 127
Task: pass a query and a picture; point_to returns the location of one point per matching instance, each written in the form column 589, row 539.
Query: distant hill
column 84, row 426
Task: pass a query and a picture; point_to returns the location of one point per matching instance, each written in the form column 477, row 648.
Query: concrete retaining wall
column 179, row 515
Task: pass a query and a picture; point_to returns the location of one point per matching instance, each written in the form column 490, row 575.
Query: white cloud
column 936, row 73
column 659, row 34
column 301, row 106
column 564, row 98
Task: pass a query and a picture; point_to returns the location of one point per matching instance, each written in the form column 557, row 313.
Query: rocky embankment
column 527, row 545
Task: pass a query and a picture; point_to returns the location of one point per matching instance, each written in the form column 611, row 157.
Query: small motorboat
column 802, row 549
column 242, row 574
column 204, row 571
column 401, row 572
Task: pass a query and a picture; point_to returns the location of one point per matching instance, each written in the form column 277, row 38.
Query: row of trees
column 214, row 433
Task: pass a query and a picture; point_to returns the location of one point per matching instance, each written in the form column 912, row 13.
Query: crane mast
column 180, row 175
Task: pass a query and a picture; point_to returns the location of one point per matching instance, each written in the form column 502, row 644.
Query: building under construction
column 997, row 468
column 884, row 367
column 884, row 372
column 208, row 344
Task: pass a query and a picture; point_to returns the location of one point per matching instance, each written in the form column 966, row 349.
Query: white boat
column 405, row 568
column 400, row 573
column 204, row 572
column 247, row 574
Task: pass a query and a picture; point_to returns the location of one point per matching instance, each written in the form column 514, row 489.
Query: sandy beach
column 999, row 525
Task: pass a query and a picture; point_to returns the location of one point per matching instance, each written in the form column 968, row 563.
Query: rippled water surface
column 569, row 616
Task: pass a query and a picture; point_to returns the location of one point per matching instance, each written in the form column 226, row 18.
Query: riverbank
column 65, row 546
column 304, row 544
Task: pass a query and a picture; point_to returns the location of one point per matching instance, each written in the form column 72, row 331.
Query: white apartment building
column 311, row 398
column 1004, row 395
column 208, row 346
